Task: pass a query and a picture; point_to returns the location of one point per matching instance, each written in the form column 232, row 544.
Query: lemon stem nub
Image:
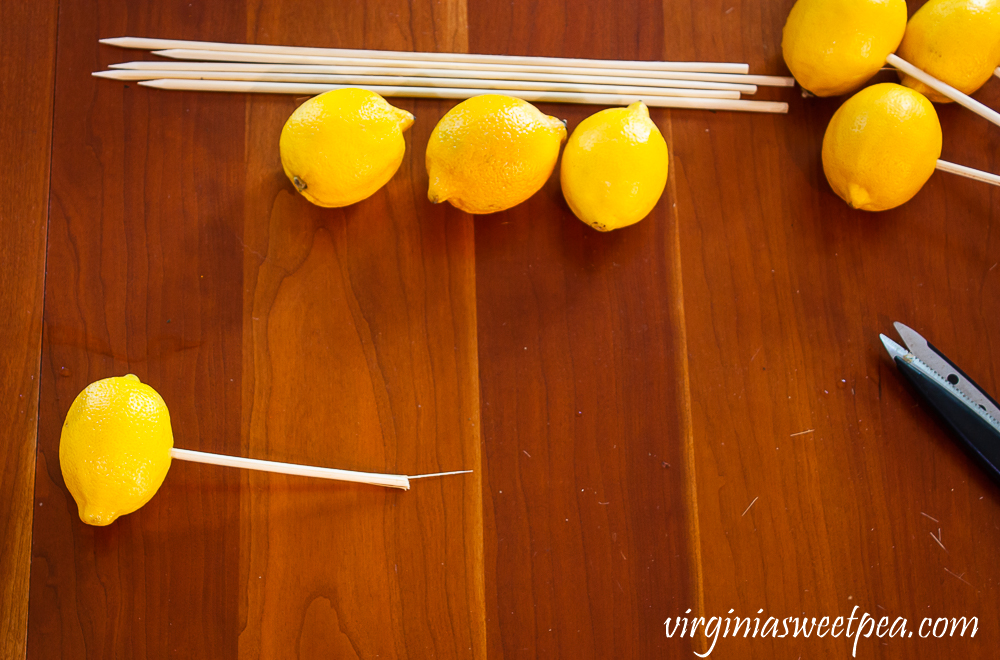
column 404, row 118
column 434, row 192
column 95, row 516
column 300, row 185
column 639, row 108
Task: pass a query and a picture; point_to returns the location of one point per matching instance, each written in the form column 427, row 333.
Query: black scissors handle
column 964, row 375
column 979, row 439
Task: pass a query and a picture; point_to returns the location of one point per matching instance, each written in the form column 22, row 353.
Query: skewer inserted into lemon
column 881, row 147
column 114, row 451
column 341, row 146
column 833, row 46
column 117, row 446
column 956, row 41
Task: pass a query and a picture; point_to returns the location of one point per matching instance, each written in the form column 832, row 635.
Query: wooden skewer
column 968, row 172
column 233, row 56
column 456, row 93
column 399, row 81
column 162, row 44
column 435, row 73
column 372, row 478
column 943, row 88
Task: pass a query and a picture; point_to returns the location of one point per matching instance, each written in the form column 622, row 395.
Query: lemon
column 957, row 41
column 492, row 152
column 341, row 146
column 614, row 167
column 881, row 147
column 833, row 46
column 115, row 448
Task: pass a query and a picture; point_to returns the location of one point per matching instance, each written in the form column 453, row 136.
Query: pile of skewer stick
column 208, row 66
column 221, row 67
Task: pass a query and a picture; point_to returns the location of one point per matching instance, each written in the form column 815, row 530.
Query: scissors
column 971, row 413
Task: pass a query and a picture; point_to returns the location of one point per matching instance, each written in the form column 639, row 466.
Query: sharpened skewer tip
column 439, row 474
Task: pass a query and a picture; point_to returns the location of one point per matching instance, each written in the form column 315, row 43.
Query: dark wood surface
column 584, row 395
column 694, row 412
column 145, row 265
column 359, row 351
column 27, row 66
column 786, row 290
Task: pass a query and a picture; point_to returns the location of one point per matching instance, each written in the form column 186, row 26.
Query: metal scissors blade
column 946, row 369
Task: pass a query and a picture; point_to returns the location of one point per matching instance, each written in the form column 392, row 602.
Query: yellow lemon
column 833, row 46
column 957, row 41
column 881, row 147
column 341, row 146
column 614, row 167
column 492, row 152
column 115, row 448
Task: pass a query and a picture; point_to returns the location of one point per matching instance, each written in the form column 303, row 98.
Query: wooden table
column 693, row 413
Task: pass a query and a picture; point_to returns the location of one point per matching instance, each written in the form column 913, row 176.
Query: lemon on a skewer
column 881, row 147
column 833, row 47
column 956, row 41
column 114, row 450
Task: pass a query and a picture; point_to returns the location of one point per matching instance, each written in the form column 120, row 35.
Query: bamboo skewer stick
column 400, row 481
column 435, row 73
column 233, row 56
column 968, row 172
column 162, row 44
column 399, row 81
column 460, row 93
column 983, row 111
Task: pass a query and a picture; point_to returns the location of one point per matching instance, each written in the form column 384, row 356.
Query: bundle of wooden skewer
column 222, row 67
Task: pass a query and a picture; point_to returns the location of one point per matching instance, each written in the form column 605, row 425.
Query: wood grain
column 694, row 412
column 29, row 34
column 145, row 263
column 273, row 329
column 796, row 409
column 359, row 352
column 583, row 394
